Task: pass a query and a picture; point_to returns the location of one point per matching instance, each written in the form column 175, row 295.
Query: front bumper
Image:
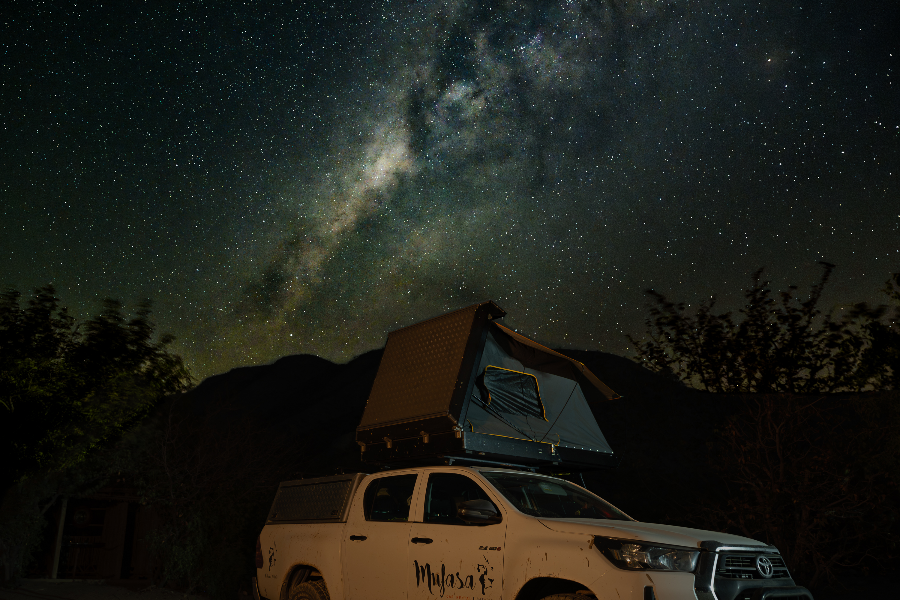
column 785, row 592
column 781, row 592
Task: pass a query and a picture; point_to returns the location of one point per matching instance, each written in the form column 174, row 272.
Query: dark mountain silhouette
column 307, row 404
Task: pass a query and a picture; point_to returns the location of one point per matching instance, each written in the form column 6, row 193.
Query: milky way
column 304, row 179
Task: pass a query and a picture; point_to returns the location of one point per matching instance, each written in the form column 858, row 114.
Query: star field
column 307, row 177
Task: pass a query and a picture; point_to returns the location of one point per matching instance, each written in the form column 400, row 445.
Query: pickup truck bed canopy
column 463, row 388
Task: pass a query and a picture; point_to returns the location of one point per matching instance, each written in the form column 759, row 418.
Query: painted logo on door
column 440, row 582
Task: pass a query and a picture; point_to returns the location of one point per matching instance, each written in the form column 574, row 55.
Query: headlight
column 637, row 556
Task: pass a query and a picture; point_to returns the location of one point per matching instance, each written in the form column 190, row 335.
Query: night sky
column 307, row 176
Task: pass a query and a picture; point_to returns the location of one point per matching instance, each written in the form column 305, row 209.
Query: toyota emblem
column 764, row 566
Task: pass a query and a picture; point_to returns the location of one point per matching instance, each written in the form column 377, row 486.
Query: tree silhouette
column 778, row 345
column 65, row 388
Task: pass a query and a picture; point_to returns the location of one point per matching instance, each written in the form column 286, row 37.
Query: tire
column 310, row 590
column 567, row 597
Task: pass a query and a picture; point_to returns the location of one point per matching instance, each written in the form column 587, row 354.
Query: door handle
column 359, row 538
column 421, row 540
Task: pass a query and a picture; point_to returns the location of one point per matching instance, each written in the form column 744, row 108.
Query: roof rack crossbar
column 449, row 460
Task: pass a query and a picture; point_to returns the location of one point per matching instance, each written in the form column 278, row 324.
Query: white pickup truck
column 488, row 533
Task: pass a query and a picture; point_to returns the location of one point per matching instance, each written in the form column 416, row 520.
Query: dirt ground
column 44, row 589
column 854, row 588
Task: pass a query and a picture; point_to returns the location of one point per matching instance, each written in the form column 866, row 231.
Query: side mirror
column 478, row 512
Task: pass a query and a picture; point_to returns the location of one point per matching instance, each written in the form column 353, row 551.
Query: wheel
column 567, row 597
column 310, row 590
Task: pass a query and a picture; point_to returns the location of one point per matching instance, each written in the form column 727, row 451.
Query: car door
column 376, row 538
column 449, row 558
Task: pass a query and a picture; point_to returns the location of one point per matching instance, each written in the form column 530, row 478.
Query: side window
column 444, row 493
column 389, row 498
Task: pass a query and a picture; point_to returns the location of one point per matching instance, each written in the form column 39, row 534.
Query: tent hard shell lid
column 462, row 388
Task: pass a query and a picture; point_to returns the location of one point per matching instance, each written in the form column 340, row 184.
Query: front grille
column 743, row 566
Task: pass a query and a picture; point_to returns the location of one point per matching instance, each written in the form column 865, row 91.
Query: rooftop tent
column 462, row 388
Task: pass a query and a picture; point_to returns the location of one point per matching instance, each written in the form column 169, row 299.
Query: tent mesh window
column 513, row 392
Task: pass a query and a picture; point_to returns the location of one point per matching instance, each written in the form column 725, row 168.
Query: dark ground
column 859, row 587
column 43, row 589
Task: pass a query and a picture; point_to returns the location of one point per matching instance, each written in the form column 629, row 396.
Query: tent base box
column 461, row 387
column 478, row 448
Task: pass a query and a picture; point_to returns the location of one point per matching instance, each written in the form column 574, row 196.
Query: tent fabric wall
column 568, row 420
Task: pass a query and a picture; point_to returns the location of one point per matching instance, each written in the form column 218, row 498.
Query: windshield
column 551, row 498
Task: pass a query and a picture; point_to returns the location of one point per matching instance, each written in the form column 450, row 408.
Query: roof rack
column 460, row 461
